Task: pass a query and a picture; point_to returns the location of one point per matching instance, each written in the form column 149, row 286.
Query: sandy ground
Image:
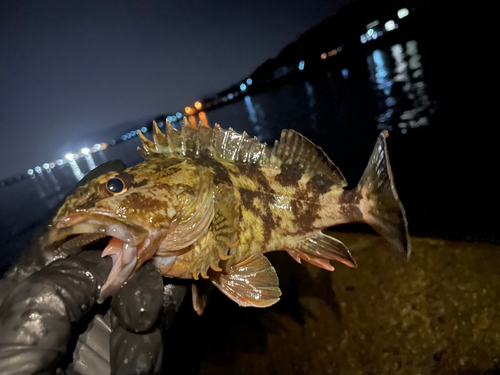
column 437, row 314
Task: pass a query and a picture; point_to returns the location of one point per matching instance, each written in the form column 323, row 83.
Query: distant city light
column 124, row 137
column 249, row 81
column 97, row 146
column 371, row 25
column 171, row 118
column 301, row 65
column 188, row 110
column 324, row 56
column 363, row 38
column 88, row 158
column 203, row 118
column 345, row 73
column 403, row 131
column 230, row 96
column 374, row 36
column 38, row 170
column 370, row 32
column 403, row 12
column 52, row 165
column 46, row 166
column 197, row 105
column 30, row 172
column 192, row 121
column 243, row 87
column 59, row 162
column 144, row 129
column 390, row 25
column 69, row 156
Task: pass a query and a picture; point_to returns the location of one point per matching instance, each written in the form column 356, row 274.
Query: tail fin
column 380, row 203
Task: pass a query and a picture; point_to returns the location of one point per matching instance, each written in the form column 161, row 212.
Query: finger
column 136, row 338
column 133, row 353
column 37, row 316
column 138, row 303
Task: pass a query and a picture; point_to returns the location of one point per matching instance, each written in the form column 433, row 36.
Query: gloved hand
column 39, row 315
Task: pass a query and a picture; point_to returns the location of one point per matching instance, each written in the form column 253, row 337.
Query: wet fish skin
column 209, row 203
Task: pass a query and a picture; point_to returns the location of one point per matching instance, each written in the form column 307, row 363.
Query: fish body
column 210, row 203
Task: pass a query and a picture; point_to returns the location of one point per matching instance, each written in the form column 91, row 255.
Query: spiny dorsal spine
column 293, row 149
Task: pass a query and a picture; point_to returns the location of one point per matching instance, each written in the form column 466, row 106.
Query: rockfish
column 210, row 203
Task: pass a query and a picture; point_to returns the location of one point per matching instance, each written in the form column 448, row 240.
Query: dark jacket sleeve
column 37, row 316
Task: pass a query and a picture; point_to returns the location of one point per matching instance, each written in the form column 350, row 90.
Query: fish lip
column 93, row 223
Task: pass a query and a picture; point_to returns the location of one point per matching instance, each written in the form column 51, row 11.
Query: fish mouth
column 122, row 241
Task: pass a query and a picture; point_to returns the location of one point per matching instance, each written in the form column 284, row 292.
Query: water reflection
column 75, row 168
column 257, row 117
column 90, row 161
column 38, row 187
column 312, row 104
column 399, row 83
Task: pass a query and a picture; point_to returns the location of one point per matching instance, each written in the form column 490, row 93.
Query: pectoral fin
column 253, row 282
column 319, row 249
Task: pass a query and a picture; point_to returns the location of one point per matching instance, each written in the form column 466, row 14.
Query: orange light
column 323, row 56
column 192, row 120
column 197, row 105
column 203, row 118
column 188, row 110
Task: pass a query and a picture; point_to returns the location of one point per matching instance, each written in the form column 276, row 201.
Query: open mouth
column 119, row 240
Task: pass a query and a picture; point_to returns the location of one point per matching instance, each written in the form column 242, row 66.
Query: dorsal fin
column 293, row 151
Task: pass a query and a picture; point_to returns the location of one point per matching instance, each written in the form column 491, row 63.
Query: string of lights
column 198, row 109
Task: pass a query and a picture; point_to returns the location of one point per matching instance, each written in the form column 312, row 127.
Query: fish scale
column 208, row 202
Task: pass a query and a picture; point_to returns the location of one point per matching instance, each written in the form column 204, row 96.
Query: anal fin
column 320, row 248
column 253, row 282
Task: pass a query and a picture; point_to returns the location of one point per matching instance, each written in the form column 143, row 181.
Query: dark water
column 428, row 90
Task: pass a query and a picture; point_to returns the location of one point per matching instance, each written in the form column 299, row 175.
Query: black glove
column 42, row 311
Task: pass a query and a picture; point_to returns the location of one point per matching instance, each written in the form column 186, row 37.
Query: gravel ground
column 436, row 314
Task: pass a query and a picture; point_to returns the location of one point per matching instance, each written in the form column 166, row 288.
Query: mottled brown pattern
column 220, row 173
column 209, row 199
column 349, row 206
column 318, row 184
column 248, row 198
column 290, row 175
column 254, row 172
column 306, row 213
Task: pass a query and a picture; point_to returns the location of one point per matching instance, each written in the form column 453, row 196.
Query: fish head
column 130, row 209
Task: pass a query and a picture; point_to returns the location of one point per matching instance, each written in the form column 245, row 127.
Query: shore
column 436, row 314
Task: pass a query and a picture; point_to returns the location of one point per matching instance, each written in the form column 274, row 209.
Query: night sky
column 71, row 68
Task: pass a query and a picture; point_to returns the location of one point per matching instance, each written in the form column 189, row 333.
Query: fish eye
column 116, row 186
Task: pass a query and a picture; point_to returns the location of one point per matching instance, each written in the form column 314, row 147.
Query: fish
column 209, row 203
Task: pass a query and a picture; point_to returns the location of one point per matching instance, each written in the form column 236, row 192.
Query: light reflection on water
column 257, row 116
column 312, row 104
column 330, row 107
column 398, row 80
